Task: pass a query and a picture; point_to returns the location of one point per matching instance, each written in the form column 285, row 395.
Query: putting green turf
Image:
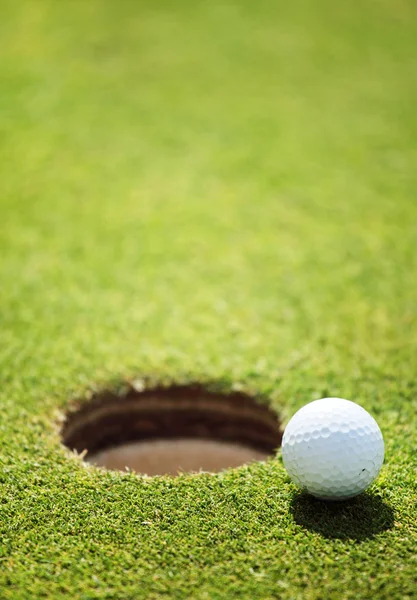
column 216, row 192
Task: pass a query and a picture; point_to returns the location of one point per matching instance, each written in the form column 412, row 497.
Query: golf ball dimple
column 333, row 448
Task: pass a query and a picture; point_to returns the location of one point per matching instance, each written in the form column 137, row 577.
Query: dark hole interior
column 111, row 420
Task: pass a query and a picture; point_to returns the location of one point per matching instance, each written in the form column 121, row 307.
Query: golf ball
column 333, row 448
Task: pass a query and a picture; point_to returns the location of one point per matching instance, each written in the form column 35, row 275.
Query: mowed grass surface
column 216, row 192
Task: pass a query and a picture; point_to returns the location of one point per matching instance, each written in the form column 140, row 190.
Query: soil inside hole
column 172, row 430
column 170, row 457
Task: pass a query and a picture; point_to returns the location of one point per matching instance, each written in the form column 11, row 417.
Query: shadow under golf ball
column 358, row 518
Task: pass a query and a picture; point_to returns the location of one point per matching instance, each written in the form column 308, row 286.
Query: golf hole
column 167, row 431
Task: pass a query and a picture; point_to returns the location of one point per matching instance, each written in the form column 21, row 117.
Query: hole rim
column 134, row 412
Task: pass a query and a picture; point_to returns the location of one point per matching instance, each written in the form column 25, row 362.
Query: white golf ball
column 333, row 448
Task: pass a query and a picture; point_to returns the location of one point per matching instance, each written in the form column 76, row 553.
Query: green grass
column 220, row 192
